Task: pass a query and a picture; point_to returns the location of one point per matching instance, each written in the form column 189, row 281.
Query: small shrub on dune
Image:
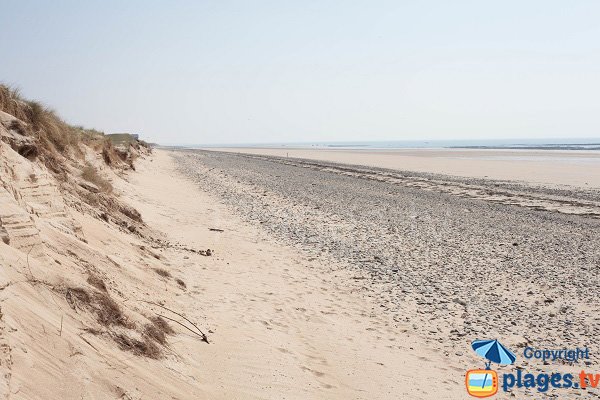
column 110, row 154
column 17, row 126
column 91, row 198
column 109, row 314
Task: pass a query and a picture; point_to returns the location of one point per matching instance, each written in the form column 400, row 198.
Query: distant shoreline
column 576, row 147
column 578, row 144
column 547, row 167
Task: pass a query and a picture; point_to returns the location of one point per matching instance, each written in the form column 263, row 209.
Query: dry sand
column 547, row 167
column 451, row 259
column 285, row 326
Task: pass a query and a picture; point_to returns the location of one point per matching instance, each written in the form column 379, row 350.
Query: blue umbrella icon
column 493, row 351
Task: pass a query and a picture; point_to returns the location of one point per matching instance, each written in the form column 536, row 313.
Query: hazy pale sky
column 191, row 72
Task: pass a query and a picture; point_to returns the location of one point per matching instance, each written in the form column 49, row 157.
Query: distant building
column 123, row 139
column 125, row 134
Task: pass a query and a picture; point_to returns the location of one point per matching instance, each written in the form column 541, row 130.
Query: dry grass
column 162, row 272
column 90, row 198
column 28, row 151
column 78, row 298
column 97, row 282
column 110, row 155
column 61, row 147
column 90, row 137
column 145, row 348
column 109, row 313
column 90, row 174
column 163, row 325
column 158, row 330
column 155, row 334
column 52, row 134
column 17, row 126
column 11, row 102
column 129, row 212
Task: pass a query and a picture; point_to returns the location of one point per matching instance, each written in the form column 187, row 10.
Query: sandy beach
column 286, row 324
column 446, row 264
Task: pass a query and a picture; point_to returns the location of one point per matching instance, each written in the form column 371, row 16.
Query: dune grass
column 90, row 174
column 53, row 135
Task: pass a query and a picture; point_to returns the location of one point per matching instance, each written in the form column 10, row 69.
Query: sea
column 531, row 144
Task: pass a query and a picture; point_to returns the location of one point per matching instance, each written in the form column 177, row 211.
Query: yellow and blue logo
column 484, row 382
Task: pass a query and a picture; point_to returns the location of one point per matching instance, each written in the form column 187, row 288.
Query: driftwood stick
column 202, row 337
column 202, row 334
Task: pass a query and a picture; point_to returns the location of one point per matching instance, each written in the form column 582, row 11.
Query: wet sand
column 544, row 167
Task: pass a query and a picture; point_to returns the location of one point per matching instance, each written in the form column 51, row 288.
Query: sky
column 208, row 72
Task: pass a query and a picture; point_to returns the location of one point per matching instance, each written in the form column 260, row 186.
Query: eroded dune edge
column 85, row 282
